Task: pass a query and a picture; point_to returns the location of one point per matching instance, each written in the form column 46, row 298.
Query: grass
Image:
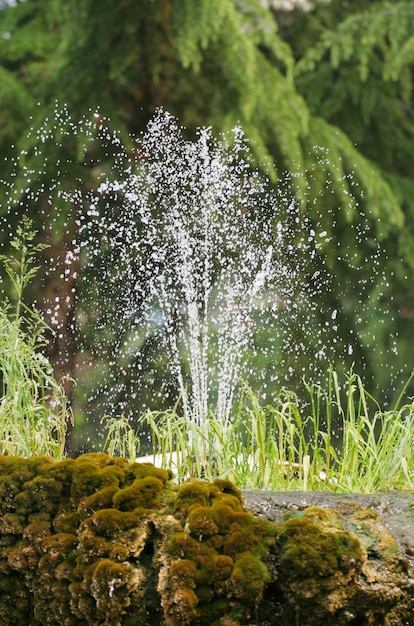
column 33, row 408
column 338, row 439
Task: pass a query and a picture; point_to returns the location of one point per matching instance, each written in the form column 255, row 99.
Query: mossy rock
column 99, row 541
column 333, row 570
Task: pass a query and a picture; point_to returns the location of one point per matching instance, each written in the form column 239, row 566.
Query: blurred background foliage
column 323, row 91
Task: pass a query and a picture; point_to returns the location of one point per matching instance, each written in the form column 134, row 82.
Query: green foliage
column 334, row 81
column 121, row 439
column 378, row 35
column 339, row 439
column 356, row 73
column 33, row 411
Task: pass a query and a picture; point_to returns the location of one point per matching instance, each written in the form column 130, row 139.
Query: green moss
column 377, row 540
column 102, row 597
column 309, row 550
column 202, row 521
column 92, row 547
column 9, row 487
column 85, row 479
column 224, row 515
column 11, row 523
column 192, row 492
column 182, row 609
column 240, row 540
column 66, row 521
column 62, row 471
column 101, row 499
column 23, row 503
column 111, row 475
column 23, row 556
column 248, row 579
column 119, row 553
column 142, row 493
column 317, row 555
column 37, row 531
column 107, row 522
column 101, row 534
column 223, row 567
column 183, row 573
column 226, row 486
column 45, row 493
column 57, row 547
column 217, row 554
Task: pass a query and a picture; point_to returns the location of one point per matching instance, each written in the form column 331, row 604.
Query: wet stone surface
column 339, row 559
column 395, row 508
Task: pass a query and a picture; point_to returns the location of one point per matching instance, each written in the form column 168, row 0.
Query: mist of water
column 197, row 244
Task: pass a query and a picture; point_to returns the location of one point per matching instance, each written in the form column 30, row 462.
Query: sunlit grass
column 33, row 406
column 337, row 439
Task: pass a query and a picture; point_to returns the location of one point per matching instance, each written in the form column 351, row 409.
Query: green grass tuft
column 33, row 407
column 337, row 439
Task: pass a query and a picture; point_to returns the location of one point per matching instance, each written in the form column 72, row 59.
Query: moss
column 62, row 471
column 141, row 470
column 223, row 567
column 92, row 547
column 108, row 579
column 44, row 493
column 213, row 608
column 11, row 523
column 16, row 601
column 226, row 486
column 224, row 515
column 319, row 560
column 110, row 475
column 142, row 493
column 119, row 553
column 377, row 540
column 66, row 521
column 58, row 548
column 23, row 503
column 9, row 486
column 85, row 479
column 248, row 579
column 202, row 521
column 107, row 522
column 116, row 543
column 101, row 499
column 192, row 492
column 309, row 550
column 183, row 573
column 216, row 542
column 240, row 540
column 23, row 557
column 37, row 531
column 181, row 609
column 217, row 554
column 102, row 595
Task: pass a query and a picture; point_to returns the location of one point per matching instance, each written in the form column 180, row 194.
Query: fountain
column 195, row 242
column 183, row 246
column 182, row 271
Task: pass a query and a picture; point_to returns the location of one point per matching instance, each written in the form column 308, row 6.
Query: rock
column 99, row 541
column 339, row 559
